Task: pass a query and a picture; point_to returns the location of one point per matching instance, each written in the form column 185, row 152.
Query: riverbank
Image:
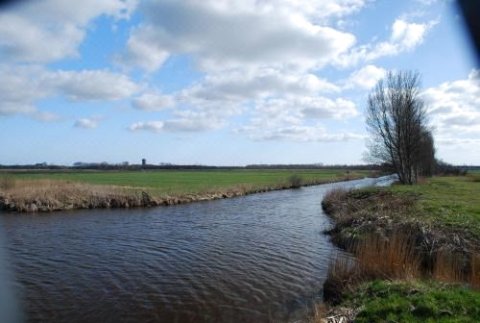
column 32, row 192
column 416, row 252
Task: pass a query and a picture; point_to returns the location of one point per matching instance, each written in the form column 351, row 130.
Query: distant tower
column 144, row 162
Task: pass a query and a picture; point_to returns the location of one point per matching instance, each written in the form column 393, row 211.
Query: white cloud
column 87, row 123
column 143, row 51
column 306, row 107
column 19, row 89
column 365, row 78
column 93, row 85
column 220, row 34
column 454, row 109
column 298, row 133
column 405, row 36
column 296, row 118
column 177, row 125
column 153, row 102
column 154, row 126
column 270, row 69
column 49, row 30
column 249, row 84
column 22, row 87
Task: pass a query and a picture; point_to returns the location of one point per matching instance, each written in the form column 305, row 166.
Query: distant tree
column 426, row 159
column 396, row 120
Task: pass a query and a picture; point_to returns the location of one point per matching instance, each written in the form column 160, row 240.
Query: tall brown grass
column 51, row 195
column 29, row 189
column 7, row 182
column 396, row 257
column 449, row 267
column 391, row 257
column 475, row 271
column 376, row 257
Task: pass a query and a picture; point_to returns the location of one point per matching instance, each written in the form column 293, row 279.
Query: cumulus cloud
column 87, row 123
column 454, row 113
column 21, row 87
column 220, row 34
column 404, row 37
column 153, row 102
column 305, row 107
column 154, row 126
column 298, row 133
column 249, row 84
column 92, row 84
column 298, row 118
column 454, row 107
column 49, row 30
column 365, row 78
column 176, row 125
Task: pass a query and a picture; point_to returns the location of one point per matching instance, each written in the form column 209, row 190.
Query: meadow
column 450, row 202
column 57, row 190
column 190, row 181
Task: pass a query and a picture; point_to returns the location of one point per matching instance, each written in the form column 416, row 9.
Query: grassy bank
column 406, row 236
column 30, row 191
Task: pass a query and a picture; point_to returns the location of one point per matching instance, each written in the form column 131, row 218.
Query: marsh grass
column 48, row 191
column 397, row 257
column 475, row 271
column 375, row 257
column 54, row 195
column 7, row 182
column 395, row 260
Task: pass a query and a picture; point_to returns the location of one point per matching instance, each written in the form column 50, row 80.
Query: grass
column 195, row 181
column 29, row 191
column 427, row 235
column 452, row 202
column 414, row 301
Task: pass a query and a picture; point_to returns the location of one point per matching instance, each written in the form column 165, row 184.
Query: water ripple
column 254, row 258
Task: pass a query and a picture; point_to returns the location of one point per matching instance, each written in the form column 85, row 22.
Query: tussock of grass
column 406, row 233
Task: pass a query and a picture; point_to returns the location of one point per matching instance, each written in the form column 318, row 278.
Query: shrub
column 295, row 181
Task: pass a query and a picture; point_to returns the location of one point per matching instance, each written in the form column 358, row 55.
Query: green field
column 414, row 301
column 190, row 181
column 448, row 201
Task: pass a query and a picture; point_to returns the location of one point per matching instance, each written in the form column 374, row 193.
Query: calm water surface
column 257, row 258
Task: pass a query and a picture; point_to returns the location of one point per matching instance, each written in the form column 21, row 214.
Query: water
column 256, row 258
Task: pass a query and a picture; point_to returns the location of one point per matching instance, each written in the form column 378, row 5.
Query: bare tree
column 396, row 120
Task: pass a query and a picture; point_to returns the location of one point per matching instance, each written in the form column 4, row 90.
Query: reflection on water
column 255, row 258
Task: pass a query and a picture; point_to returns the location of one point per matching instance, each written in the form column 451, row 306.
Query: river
column 256, row 258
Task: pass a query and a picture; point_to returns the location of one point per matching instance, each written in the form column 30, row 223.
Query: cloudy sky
column 224, row 82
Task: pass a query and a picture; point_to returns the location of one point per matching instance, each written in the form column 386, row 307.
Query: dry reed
column 376, row 257
column 475, row 271
column 449, row 267
column 396, row 257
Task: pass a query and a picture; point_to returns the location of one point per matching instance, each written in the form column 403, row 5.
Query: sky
column 225, row 82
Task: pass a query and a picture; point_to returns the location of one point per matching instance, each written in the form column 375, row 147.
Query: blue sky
column 224, row 82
